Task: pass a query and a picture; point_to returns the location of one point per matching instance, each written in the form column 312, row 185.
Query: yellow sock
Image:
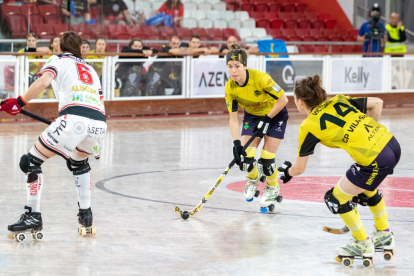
column 251, row 152
column 378, row 212
column 271, row 180
column 352, row 218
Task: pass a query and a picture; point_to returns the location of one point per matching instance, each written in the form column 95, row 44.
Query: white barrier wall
column 188, row 77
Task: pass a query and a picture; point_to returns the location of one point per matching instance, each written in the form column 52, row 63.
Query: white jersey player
column 75, row 135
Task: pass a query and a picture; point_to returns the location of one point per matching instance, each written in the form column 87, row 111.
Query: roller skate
column 364, row 250
column 270, row 196
column 29, row 222
column 85, row 220
column 251, row 188
column 384, row 242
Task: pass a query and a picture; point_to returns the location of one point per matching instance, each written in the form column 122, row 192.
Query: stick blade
column 343, row 230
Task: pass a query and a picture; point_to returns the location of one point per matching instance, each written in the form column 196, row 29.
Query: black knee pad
column 78, row 167
column 266, row 166
column 364, row 200
column 333, row 204
column 248, row 164
column 29, row 163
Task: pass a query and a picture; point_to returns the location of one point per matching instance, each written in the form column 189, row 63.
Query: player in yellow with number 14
column 343, row 122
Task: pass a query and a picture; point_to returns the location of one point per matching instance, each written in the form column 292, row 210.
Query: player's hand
column 262, row 126
column 12, row 106
column 238, row 152
column 284, row 174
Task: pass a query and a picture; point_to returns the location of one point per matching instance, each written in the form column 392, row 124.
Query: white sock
column 34, row 189
column 83, row 186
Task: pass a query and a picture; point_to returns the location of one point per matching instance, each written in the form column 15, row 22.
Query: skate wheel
column 81, row 231
column 338, row 259
column 263, row 210
column 347, row 262
column 20, row 237
column 271, row 207
column 10, row 236
column 263, row 178
column 367, row 263
column 388, row 255
column 38, row 236
column 93, row 230
column 249, row 200
column 257, row 193
column 279, row 199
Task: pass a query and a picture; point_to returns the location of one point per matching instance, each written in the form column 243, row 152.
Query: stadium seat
column 118, row 32
column 214, row 33
column 262, row 23
column 220, row 6
column 275, row 7
column 276, row 24
column 322, row 38
column 229, row 32
column 284, row 38
column 347, row 48
column 24, row 10
column 284, row 15
column 144, row 5
column 94, row 10
column 321, row 48
column 188, row 14
column 297, row 15
column 151, row 30
column 302, row 32
column 46, row 10
column 60, row 29
column 227, row 15
column 261, row 7
column 324, row 16
column 315, row 33
column 202, row 33
column 190, row 6
column 353, row 32
column 166, row 32
column 259, row 32
column 256, row 15
column 44, row 31
column 270, row 15
column 241, row 15
column 136, row 32
column 213, row 15
column 289, row 7
column 245, row 32
column 248, row 7
column 155, row 5
column 153, row 37
column 349, row 38
column 189, row 23
column 205, row 23
column 198, row 14
column 330, row 23
column 336, row 48
column 291, row 24
column 295, row 38
column 98, row 30
column 17, row 29
column 304, row 24
column 214, row 1
column 35, row 19
column 220, row 23
column 274, row 32
column 358, row 48
column 83, row 30
column 204, row 6
column 310, row 16
column 183, row 33
column 308, row 37
column 318, row 24
column 288, row 32
column 234, row 23
column 305, row 48
column 6, row 11
column 301, row 7
column 334, row 35
column 233, row 6
column 249, row 23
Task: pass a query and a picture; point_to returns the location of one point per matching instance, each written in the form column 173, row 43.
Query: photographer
column 373, row 32
column 396, row 36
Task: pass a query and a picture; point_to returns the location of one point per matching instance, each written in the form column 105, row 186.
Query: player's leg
column 30, row 164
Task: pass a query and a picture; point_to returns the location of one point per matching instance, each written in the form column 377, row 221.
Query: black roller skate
column 85, row 220
column 29, row 222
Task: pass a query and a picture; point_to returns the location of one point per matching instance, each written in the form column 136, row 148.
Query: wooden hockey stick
column 34, row 116
column 343, row 230
column 185, row 214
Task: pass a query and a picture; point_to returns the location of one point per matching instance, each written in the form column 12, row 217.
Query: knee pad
column 333, row 204
column 266, row 166
column 248, row 164
column 78, row 167
column 364, row 200
column 29, row 163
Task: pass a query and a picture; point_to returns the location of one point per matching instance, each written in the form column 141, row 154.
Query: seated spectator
column 47, row 2
column 54, row 45
column 135, row 10
column 175, row 47
column 174, row 8
column 194, row 44
column 116, row 12
column 80, row 13
column 136, row 46
column 233, row 40
column 100, row 47
column 85, row 47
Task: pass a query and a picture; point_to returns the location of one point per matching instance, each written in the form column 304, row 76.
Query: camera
column 375, row 30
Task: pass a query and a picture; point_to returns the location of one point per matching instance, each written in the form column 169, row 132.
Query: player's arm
column 38, row 86
column 279, row 105
column 234, row 125
column 374, row 107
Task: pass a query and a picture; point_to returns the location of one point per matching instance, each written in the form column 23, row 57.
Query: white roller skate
column 270, row 196
column 251, row 188
column 384, row 242
column 364, row 250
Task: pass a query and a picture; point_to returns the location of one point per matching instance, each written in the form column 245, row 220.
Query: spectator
column 373, row 33
column 135, row 10
column 78, row 14
column 116, row 12
column 174, row 8
column 396, row 36
column 54, row 45
column 47, row 2
column 233, row 40
column 100, row 47
column 85, row 48
column 194, row 44
column 175, row 47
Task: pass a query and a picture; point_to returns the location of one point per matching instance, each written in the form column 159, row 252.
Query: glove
column 12, row 106
column 284, row 174
column 262, row 126
column 238, row 152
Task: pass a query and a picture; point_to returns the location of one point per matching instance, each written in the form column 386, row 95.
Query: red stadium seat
column 322, row 38
column 295, row 38
column 349, row 38
column 305, row 48
column 336, row 48
column 310, row 16
column 270, row 15
column 324, row 16
column 289, row 7
column 321, row 49
column 291, row 24
column 50, row 14
column 83, row 30
column 288, row 32
column 315, row 33
column 8, row 73
column 60, row 29
column 95, row 11
column 153, row 37
column 358, row 48
column 284, row 38
column 262, row 23
column 136, row 32
column 24, row 10
column 318, row 24
column 118, row 32
column 184, row 33
column 247, row 7
column 112, row 48
column 228, row 32
column 330, row 23
column 47, row 10
column 202, row 33
column 353, row 32
column 44, row 31
column 275, row 7
column 308, row 37
column 233, row 6
column 256, row 15
column 297, row 15
column 348, row 48
column 215, row 33
column 261, row 7
column 17, row 29
column 284, row 15
column 6, row 11
column 304, row 24
column 151, row 30
column 302, row 32
column 166, row 32
column 301, row 7
column 101, row 30
column 35, row 19
column 334, row 35
column 276, row 23
column 274, row 32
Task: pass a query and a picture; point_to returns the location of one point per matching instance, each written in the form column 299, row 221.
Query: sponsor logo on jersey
column 257, row 93
column 246, row 125
column 269, row 81
column 374, row 173
column 276, row 87
column 84, row 88
column 67, row 148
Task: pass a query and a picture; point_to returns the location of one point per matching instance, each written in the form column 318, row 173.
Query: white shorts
column 71, row 132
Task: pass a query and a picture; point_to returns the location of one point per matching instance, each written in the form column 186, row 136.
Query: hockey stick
column 185, row 214
column 34, row 116
column 343, row 230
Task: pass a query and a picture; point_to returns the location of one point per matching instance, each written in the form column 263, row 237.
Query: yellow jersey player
column 342, row 122
column 264, row 104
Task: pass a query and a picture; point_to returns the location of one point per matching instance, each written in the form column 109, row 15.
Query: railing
column 206, row 76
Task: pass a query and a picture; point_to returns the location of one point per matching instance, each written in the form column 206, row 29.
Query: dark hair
column 194, row 36
column 133, row 40
column 71, row 42
column 51, row 41
column 100, row 38
column 177, row 6
column 31, row 35
column 86, row 42
column 237, row 53
column 310, row 91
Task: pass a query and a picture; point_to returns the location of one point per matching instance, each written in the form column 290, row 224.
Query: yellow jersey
column 96, row 65
column 340, row 122
column 34, row 67
column 257, row 96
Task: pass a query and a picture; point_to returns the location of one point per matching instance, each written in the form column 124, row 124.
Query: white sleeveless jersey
column 76, row 85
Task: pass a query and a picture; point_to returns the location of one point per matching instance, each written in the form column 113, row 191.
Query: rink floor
column 150, row 165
